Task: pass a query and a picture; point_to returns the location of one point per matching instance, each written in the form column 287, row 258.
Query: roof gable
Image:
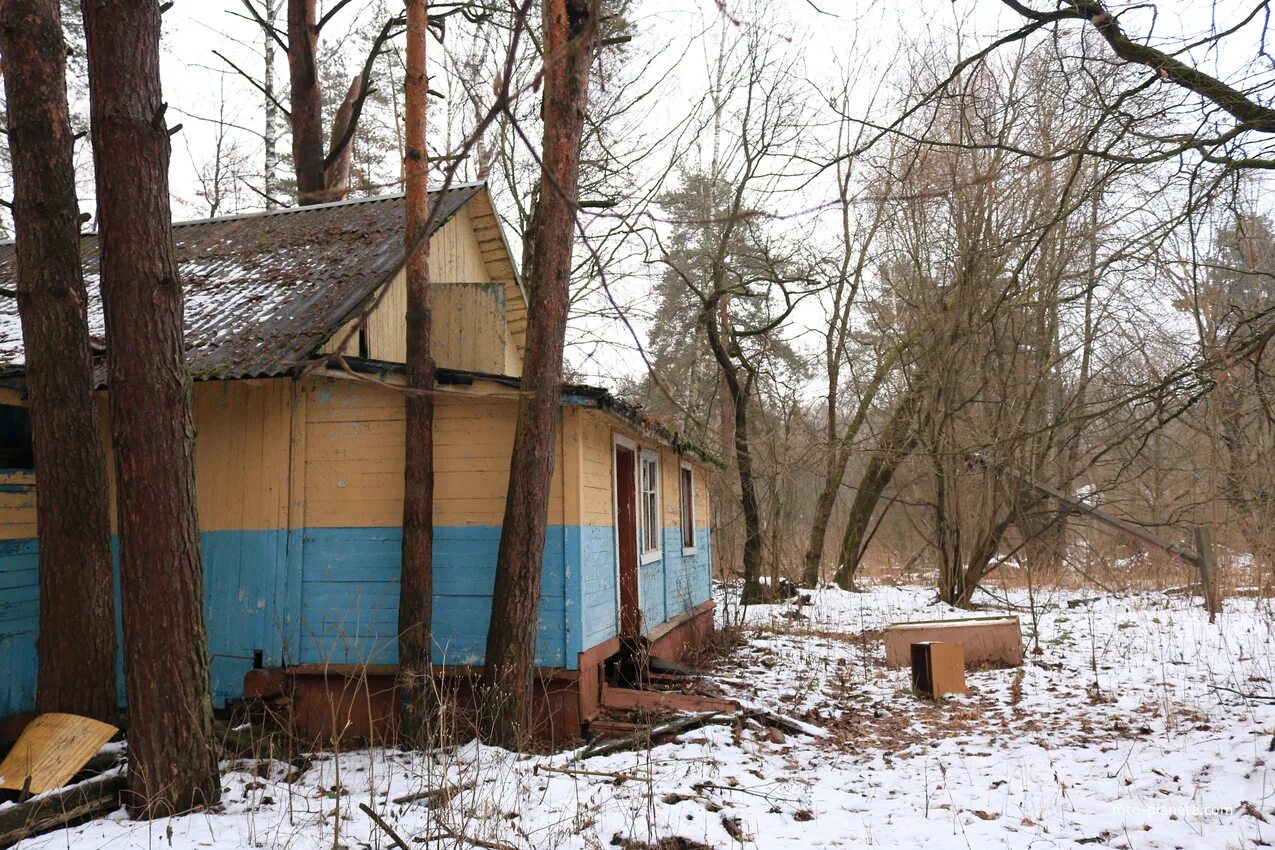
column 264, row 291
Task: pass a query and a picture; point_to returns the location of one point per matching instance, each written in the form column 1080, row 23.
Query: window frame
column 686, row 476
column 649, row 555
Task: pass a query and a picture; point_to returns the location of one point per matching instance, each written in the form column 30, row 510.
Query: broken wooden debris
column 663, row 665
column 783, row 724
column 91, row 798
column 434, row 797
column 385, row 827
column 52, row 749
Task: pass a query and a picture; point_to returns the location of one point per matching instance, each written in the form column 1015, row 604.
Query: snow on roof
column 263, row 290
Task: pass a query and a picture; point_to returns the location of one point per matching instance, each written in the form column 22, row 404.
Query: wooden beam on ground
column 91, row 798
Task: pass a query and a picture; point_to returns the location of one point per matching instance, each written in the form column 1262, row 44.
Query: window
column 649, row 506
column 688, row 510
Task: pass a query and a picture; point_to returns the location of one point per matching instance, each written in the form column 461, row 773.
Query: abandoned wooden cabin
column 300, row 461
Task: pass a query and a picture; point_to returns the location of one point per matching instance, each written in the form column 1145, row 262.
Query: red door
column 626, row 534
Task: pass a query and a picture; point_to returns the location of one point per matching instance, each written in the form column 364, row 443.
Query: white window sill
column 651, row 556
column 689, row 550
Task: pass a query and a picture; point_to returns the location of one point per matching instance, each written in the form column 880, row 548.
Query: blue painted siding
column 239, row 566
column 332, row 594
column 245, row 578
column 598, row 600
column 349, row 595
column 651, row 591
column 687, row 578
column 19, row 617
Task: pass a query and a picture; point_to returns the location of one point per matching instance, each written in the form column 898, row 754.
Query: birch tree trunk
column 271, row 135
column 511, row 635
column 77, row 594
column 172, row 755
column 417, row 581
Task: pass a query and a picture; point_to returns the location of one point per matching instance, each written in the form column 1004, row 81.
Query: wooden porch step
column 628, row 699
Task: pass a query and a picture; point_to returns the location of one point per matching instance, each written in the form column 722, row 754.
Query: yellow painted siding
column 354, row 457
column 471, row 330
column 513, row 354
column 17, row 504
column 598, row 431
column 469, row 327
column 242, row 431
column 596, row 461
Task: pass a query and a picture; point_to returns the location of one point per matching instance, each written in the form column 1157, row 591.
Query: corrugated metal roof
column 264, row 290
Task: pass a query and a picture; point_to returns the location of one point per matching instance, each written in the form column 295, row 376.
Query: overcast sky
column 827, row 35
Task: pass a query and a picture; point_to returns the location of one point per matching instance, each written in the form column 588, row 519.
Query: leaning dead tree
column 171, row 751
column 77, row 595
column 322, row 164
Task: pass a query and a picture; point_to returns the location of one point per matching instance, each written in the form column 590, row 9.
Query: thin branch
column 273, row 32
column 329, row 14
column 259, row 87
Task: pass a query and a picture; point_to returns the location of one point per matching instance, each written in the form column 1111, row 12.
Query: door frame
column 619, row 441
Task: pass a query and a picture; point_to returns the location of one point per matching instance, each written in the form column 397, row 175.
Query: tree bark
column 897, row 442
column 271, row 135
column 306, row 102
column 417, row 582
column 511, row 635
column 77, row 587
column 336, row 177
column 172, row 757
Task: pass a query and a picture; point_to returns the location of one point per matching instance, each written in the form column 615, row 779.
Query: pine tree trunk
column 306, row 104
column 511, row 636
column 77, row 595
column 172, row 757
column 417, row 581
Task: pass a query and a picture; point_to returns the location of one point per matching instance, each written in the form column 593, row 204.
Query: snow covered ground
column 1125, row 731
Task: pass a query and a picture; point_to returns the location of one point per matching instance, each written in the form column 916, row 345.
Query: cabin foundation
column 342, row 704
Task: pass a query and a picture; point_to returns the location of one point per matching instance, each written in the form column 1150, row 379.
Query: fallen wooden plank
column 51, row 749
column 783, row 724
column 91, row 798
column 628, row 699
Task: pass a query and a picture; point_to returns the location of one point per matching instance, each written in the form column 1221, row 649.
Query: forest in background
column 938, row 300
column 891, row 260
